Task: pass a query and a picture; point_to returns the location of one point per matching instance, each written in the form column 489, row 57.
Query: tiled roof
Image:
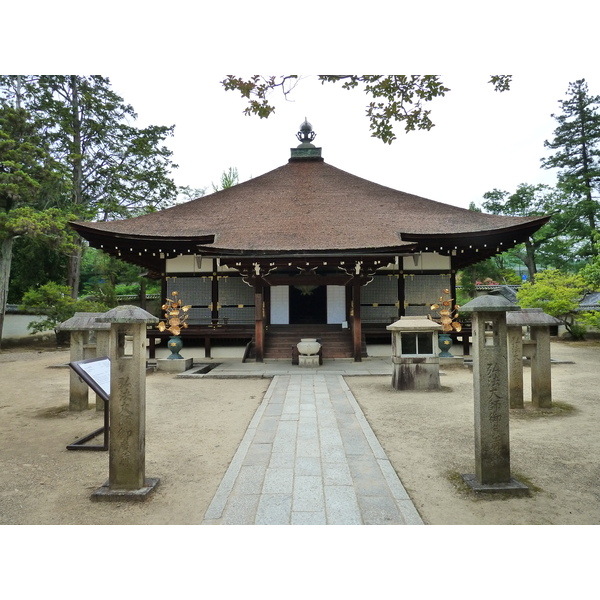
column 311, row 205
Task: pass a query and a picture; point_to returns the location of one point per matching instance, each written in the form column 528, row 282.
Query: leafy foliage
column 57, row 305
column 395, row 98
column 28, row 174
column 557, row 294
column 591, row 273
column 552, row 243
column 111, row 169
column 34, row 262
column 115, row 169
column 229, row 178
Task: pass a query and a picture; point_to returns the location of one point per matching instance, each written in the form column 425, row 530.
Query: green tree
column 551, row 245
column 577, row 150
column 394, row 98
column 557, row 294
column 28, row 180
column 229, row 178
column 114, row 169
column 591, row 271
column 34, row 262
column 187, row 193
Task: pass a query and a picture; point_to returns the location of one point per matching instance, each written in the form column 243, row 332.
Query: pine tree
column 577, row 145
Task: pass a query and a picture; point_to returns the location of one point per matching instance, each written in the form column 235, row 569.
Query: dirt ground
column 194, row 427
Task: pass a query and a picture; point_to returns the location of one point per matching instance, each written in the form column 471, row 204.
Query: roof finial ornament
column 306, row 150
column 306, row 134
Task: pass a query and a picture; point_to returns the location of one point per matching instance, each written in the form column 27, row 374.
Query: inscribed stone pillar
column 541, row 379
column 490, row 373
column 78, row 389
column 515, row 366
column 490, row 386
column 127, row 405
column 102, row 349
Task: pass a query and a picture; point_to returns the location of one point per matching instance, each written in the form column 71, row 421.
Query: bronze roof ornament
column 306, row 134
column 306, row 150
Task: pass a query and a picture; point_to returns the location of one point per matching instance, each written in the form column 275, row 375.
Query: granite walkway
column 309, row 457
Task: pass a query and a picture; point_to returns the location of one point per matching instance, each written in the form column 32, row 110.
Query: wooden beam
column 356, row 322
column 259, row 328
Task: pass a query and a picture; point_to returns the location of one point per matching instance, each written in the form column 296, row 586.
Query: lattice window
column 199, row 316
column 382, row 290
column 421, row 291
column 233, row 292
column 235, row 315
column 378, row 314
column 196, row 291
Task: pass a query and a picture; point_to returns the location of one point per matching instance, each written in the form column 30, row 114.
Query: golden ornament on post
column 446, row 316
column 176, row 315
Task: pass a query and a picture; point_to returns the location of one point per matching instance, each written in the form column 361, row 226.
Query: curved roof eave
column 310, row 207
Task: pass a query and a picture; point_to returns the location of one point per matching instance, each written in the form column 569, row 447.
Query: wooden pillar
column 401, row 293
column 356, row 321
column 259, row 327
column 214, row 315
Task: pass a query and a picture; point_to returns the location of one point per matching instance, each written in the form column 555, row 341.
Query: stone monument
column 127, row 405
column 490, row 388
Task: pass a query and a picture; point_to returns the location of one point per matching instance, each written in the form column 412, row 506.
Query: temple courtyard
column 195, row 426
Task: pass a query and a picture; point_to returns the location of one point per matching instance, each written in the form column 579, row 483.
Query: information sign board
column 96, row 373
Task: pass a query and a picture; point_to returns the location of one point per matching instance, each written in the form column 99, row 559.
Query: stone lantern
column 414, row 354
column 89, row 339
column 537, row 348
column 490, row 388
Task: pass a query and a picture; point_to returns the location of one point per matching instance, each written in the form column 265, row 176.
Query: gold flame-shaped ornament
column 176, row 315
column 447, row 313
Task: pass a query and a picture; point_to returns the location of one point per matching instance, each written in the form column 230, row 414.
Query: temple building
column 306, row 250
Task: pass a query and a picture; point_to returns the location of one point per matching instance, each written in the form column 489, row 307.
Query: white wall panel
column 280, row 305
column 336, row 304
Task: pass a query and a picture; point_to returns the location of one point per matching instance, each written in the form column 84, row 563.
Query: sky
column 482, row 139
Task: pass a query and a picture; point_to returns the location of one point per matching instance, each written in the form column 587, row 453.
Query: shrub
column 55, row 303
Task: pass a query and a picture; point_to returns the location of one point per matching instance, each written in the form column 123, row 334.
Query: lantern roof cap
column 414, row 324
column 489, row 303
column 127, row 314
column 83, row 321
column 531, row 317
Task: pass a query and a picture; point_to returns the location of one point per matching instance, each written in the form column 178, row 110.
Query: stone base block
column 510, row 487
column 416, row 374
column 105, row 494
column 308, row 361
column 174, row 365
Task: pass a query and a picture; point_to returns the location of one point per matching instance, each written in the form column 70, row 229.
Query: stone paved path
column 310, row 457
